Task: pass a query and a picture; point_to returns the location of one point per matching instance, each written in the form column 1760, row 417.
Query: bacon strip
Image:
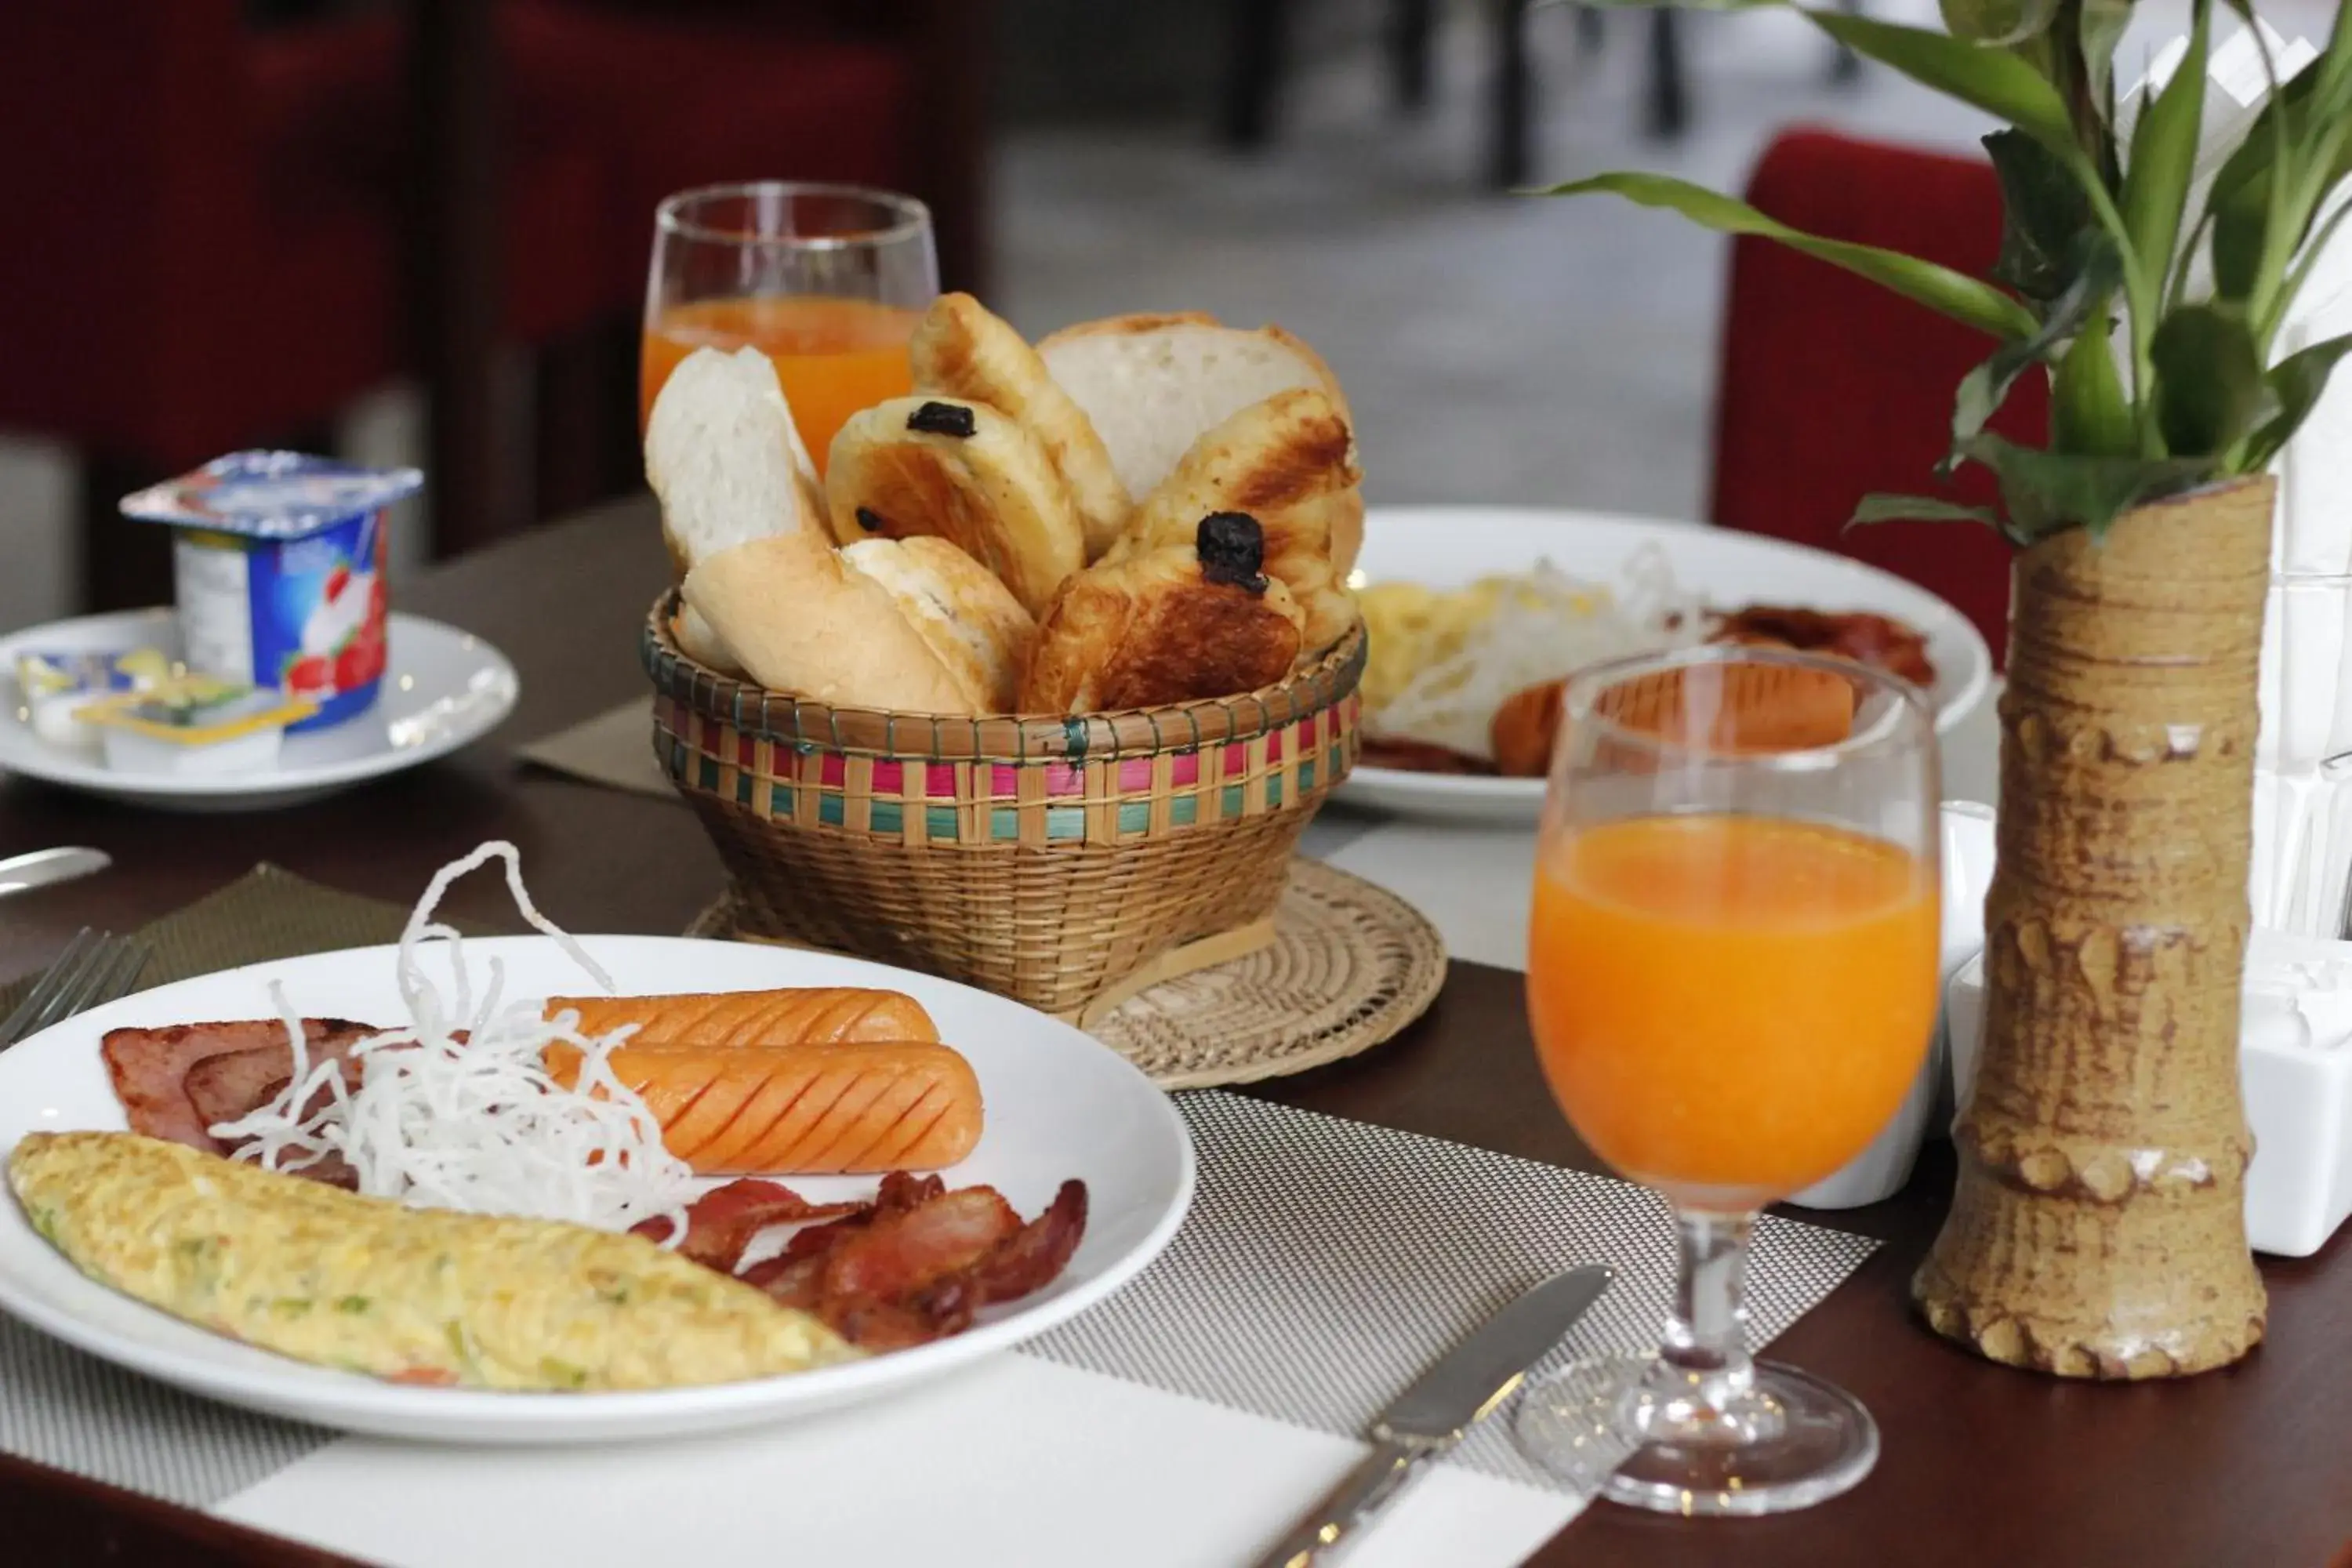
column 1419, row 756
column 899, row 1256
column 923, row 1261
column 722, row 1222
column 150, row 1067
column 1034, row 1257
column 235, row 1084
column 1879, row 641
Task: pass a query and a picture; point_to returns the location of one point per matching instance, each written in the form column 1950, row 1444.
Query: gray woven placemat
column 270, row 912
column 1324, row 1262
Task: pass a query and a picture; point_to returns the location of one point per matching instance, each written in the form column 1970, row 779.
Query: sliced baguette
column 971, row 620
column 961, row 350
column 725, row 458
column 802, row 620
column 1153, row 385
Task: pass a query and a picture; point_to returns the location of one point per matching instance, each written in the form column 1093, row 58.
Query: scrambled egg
column 414, row 1295
column 1415, row 628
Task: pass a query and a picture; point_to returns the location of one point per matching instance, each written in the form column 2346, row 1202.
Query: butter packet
column 53, row 686
column 196, row 724
column 90, row 672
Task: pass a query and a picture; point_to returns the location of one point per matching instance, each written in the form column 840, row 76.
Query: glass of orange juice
column 826, row 280
column 1731, row 976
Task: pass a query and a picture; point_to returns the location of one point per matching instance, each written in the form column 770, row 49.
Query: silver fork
column 96, row 967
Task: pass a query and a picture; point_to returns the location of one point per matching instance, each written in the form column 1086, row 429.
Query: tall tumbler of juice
column 826, row 280
column 1731, row 976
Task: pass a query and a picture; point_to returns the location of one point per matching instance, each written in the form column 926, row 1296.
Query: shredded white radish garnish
column 478, row 1123
column 1530, row 628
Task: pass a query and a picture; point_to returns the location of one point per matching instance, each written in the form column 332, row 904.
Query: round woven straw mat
column 1351, row 965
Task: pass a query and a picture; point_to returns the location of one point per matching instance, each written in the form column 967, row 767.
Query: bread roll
column 1159, row 626
column 700, row 643
column 963, row 472
column 972, row 621
column 803, row 621
column 1283, row 461
column 961, row 350
column 1153, row 385
column 724, row 456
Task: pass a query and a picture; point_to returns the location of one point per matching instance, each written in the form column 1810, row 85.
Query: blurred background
column 417, row 230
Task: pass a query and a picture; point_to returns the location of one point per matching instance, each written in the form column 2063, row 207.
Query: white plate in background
column 1453, row 546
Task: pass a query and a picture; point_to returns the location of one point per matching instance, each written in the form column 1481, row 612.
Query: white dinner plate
column 443, row 688
column 1451, row 546
column 1059, row 1104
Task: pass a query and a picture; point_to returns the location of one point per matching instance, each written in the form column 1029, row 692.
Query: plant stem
column 2140, row 301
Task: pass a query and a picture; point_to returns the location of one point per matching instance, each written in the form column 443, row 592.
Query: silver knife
column 1434, row 1415
column 42, row 867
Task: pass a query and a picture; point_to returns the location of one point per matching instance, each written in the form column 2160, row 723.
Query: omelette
column 371, row 1285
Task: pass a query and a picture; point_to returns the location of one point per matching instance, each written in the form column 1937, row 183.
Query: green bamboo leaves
column 1956, row 295
column 1993, row 79
column 2294, row 386
column 2043, row 215
column 2045, row 492
column 1983, row 390
column 2159, row 380
column 1999, row 22
column 2209, row 380
column 2090, row 413
column 1919, row 509
column 2099, row 27
column 2164, row 155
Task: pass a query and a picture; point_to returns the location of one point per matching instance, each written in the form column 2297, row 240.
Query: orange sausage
column 1522, row 732
column 1748, row 707
column 737, row 1019
column 1742, row 707
column 841, row 1107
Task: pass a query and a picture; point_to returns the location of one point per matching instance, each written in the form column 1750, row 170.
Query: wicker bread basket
column 1044, row 858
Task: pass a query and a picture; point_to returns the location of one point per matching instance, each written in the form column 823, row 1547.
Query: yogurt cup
column 279, row 571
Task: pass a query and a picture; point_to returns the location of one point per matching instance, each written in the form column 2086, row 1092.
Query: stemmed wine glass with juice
column 828, row 281
column 1731, row 978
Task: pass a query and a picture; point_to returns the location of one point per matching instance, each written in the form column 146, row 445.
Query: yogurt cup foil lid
column 271, row 495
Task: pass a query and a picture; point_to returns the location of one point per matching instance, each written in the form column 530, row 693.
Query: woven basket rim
column 1009, row 738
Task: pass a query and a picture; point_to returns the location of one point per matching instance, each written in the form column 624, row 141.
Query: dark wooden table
column 1981, row 1465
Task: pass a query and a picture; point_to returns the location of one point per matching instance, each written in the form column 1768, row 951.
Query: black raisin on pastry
column 942, row 419
column 1232, row 547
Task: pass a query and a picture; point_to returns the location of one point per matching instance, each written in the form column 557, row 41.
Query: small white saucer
column 443, row 688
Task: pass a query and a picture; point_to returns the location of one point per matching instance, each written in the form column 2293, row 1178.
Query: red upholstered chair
column 677, row 93
column 212, row 229
column 1831, row 387
column 206, row 240
column 671, row 94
